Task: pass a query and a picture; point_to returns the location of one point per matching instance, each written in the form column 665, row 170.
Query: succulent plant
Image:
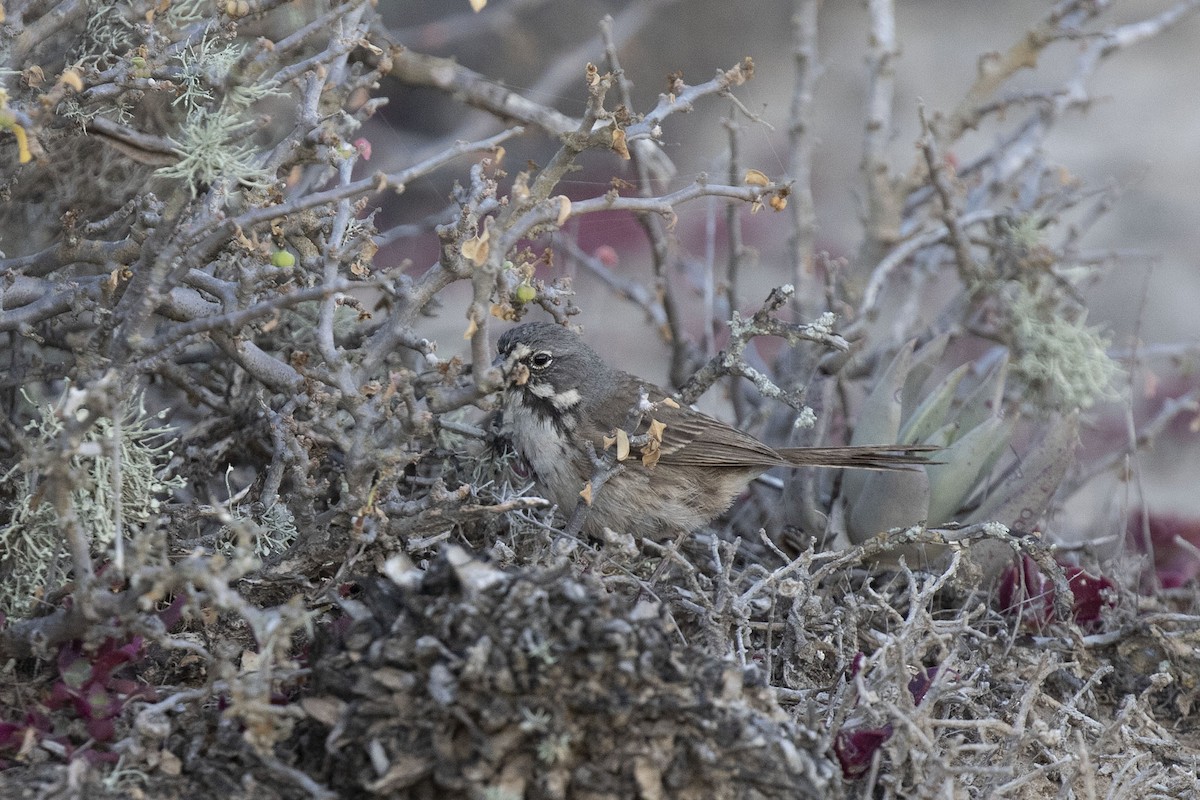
column 974, row 428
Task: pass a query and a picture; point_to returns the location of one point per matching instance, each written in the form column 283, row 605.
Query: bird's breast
column 542, row 435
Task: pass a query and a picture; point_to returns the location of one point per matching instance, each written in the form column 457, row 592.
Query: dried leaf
column 650, row 454
column 472, row 328
column 72, row 78
column 326, row 710
column 476, row 249
column 169, row 763
column 669, row 402
column 1021, row 497
column 619, row 144
column 477, row 5
column 586, row 493
column 564, row 209
column 656, row 430
column 756, row 178
column 622, row 445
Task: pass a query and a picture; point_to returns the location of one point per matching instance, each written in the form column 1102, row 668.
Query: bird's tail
column 873, row 456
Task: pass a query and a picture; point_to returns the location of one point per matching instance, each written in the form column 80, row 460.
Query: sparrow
column 679, row 468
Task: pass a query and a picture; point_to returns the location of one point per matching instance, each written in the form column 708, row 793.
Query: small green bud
column 525, row 293
column 282, row 258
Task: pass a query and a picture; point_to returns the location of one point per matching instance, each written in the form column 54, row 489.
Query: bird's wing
column 701, row 441
column 688, row 437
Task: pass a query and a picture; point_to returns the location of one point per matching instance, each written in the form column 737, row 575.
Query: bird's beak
column 515, row 373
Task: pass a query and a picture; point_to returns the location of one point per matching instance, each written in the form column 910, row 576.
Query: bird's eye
column 541, row 360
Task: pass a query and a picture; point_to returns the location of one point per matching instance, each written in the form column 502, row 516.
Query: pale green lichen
column 209, row 146
column 1061, row 359
column 266, row 533
column 206, row 65
column 185, row 12
column 111, row 31
column 34, row 553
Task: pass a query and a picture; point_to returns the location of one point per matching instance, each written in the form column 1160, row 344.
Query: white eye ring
column 541, row 359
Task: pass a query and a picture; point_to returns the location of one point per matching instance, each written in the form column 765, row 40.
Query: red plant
column 855, row 745
column 1026, row 591
column 1173, row 541
column 89, row 686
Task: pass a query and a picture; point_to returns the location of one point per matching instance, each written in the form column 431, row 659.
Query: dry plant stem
column 417, row 69
column 286, row 451
column 995, row 69
column 968, row 271
column 737, row 252
column 557, row 78
column 733, row 220
column 800, row 137
column 899, row 255
column 62, row 15
column 234, row 321
column 546, row 213
column 297, row 40
column 70, row 250
column 732, row 362
column 381, row 181
column 955, row 538
column 112, row 443
column 325, row 338
column 339, row 47
column 604, row 468
column 654, row 227
column 882, row 224
column 36, row 637
column 297, row 778
column 1063, row 21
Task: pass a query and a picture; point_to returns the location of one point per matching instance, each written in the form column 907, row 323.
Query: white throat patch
column 560, row 400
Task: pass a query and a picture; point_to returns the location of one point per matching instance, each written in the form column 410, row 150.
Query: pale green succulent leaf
column 943, row 436
column 879, row 418
column 930, row 415
column 965, row 461
column 1022, row 496
column 892, row 499
column 922, row 365
column 987, row 398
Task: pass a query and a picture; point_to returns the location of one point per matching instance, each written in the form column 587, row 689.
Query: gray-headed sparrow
column 681, row 468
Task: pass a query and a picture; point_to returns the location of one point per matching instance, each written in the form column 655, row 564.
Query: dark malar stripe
column 542, row 408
